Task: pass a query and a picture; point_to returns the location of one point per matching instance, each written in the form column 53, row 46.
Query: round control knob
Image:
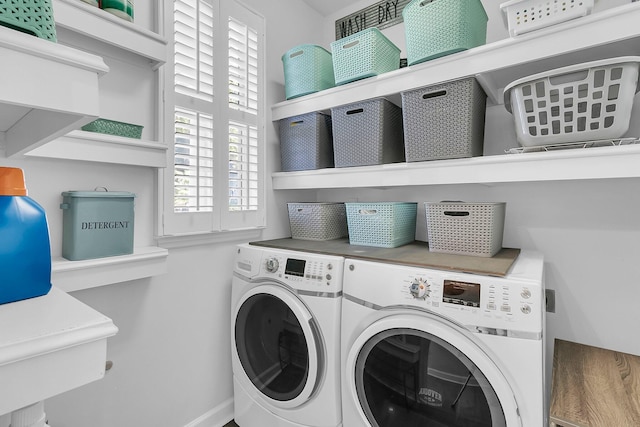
column 526, row 309
column 526, row 293
column 272, row 265
column 419, row 288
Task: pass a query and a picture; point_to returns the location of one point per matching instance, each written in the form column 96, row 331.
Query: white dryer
column 426, row 347
column 285, row 336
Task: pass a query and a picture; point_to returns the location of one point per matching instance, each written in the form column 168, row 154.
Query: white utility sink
column 49, row 345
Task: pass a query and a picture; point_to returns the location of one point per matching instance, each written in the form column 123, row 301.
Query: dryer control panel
column 482, row 303
column 487, row 302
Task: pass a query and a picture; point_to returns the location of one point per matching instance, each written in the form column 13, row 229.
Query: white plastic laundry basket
column 522, row 16
column 583, row 102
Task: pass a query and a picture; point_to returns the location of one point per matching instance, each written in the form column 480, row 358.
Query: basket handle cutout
column 456, row 213
column 296, row 123
column 367, row 211
column 569, row 77
column 298, row 53
column 356, row 111
column 352, row 44
column 435, row 94
column 425, row 2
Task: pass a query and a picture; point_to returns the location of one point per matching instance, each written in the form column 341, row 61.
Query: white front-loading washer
column 426, row 347
column 285, row 320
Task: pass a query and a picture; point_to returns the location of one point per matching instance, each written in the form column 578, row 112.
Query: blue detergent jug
column 25, row 250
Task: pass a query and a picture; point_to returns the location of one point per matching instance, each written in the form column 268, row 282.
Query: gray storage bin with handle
column 306, row 142
column 367, row 133
column 465, row 228
column 444, row 121
column 317, row 221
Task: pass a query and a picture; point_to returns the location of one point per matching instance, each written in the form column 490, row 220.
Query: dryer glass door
column 276, row 346
column 408, row 377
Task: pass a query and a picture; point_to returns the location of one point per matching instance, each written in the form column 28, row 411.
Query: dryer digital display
column 463, row 293
column 295, row 267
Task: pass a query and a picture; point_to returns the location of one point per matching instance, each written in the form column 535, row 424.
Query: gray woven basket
column 465, row 228
column 306, row 142
column 367, row 133
column 445, row 121
column 317, row 221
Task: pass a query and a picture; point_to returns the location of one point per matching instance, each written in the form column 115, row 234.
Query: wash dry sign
column 382, row 14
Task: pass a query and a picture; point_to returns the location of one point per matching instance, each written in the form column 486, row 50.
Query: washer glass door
column 275, row 342
column 408, row 377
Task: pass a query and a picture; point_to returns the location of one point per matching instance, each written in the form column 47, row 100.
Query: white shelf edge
column 56, row 343
column 95, row 23
column 96, row 147
column 545, row 48
column 559, row 165
column 62, row 95
column 85, row 274
column 50, row 51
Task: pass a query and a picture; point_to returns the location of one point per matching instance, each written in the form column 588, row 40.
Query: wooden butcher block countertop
column 416, row 254
column 594, row 387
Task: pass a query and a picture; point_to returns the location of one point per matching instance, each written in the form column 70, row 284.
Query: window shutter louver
column 214, row 103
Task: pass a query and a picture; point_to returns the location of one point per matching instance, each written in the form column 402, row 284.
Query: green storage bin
column 381, row 224
column 33, row 17
column 97, row 224
column 307, row 69
column 366, row 53
column 442, row 27
column 111, row 127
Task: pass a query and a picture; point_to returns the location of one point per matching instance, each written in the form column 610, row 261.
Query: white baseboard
column 216, row 417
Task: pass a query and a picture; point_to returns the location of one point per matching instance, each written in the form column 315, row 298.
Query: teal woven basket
column 381, row 224
column 307, row 69
column 111, row 127
column 442, row 27
column 33, row 17
column 364, row 54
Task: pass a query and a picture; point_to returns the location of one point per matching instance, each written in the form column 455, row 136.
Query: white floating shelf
column 97, row 24
column 77, row 275
column 46, row 90
column 49, row 345
column 613, row 32
column 570, row 164
column 97, row 147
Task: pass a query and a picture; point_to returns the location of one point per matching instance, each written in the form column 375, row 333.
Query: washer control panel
column 303, row 270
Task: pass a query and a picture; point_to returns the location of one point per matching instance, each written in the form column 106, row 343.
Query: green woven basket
column 442, row 27
column 307, row 69
column 111, row 127
column 364, row 54
column 33, row 17
column 381, row 224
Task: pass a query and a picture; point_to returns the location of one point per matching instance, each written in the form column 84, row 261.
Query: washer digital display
column 463, row 293
column 295, row 267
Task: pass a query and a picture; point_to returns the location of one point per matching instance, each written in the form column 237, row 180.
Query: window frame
column 221, row 219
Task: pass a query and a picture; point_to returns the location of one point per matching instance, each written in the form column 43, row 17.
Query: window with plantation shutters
column 213, row 117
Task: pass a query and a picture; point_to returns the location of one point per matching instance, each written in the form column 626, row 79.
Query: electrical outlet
column 550, row 299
